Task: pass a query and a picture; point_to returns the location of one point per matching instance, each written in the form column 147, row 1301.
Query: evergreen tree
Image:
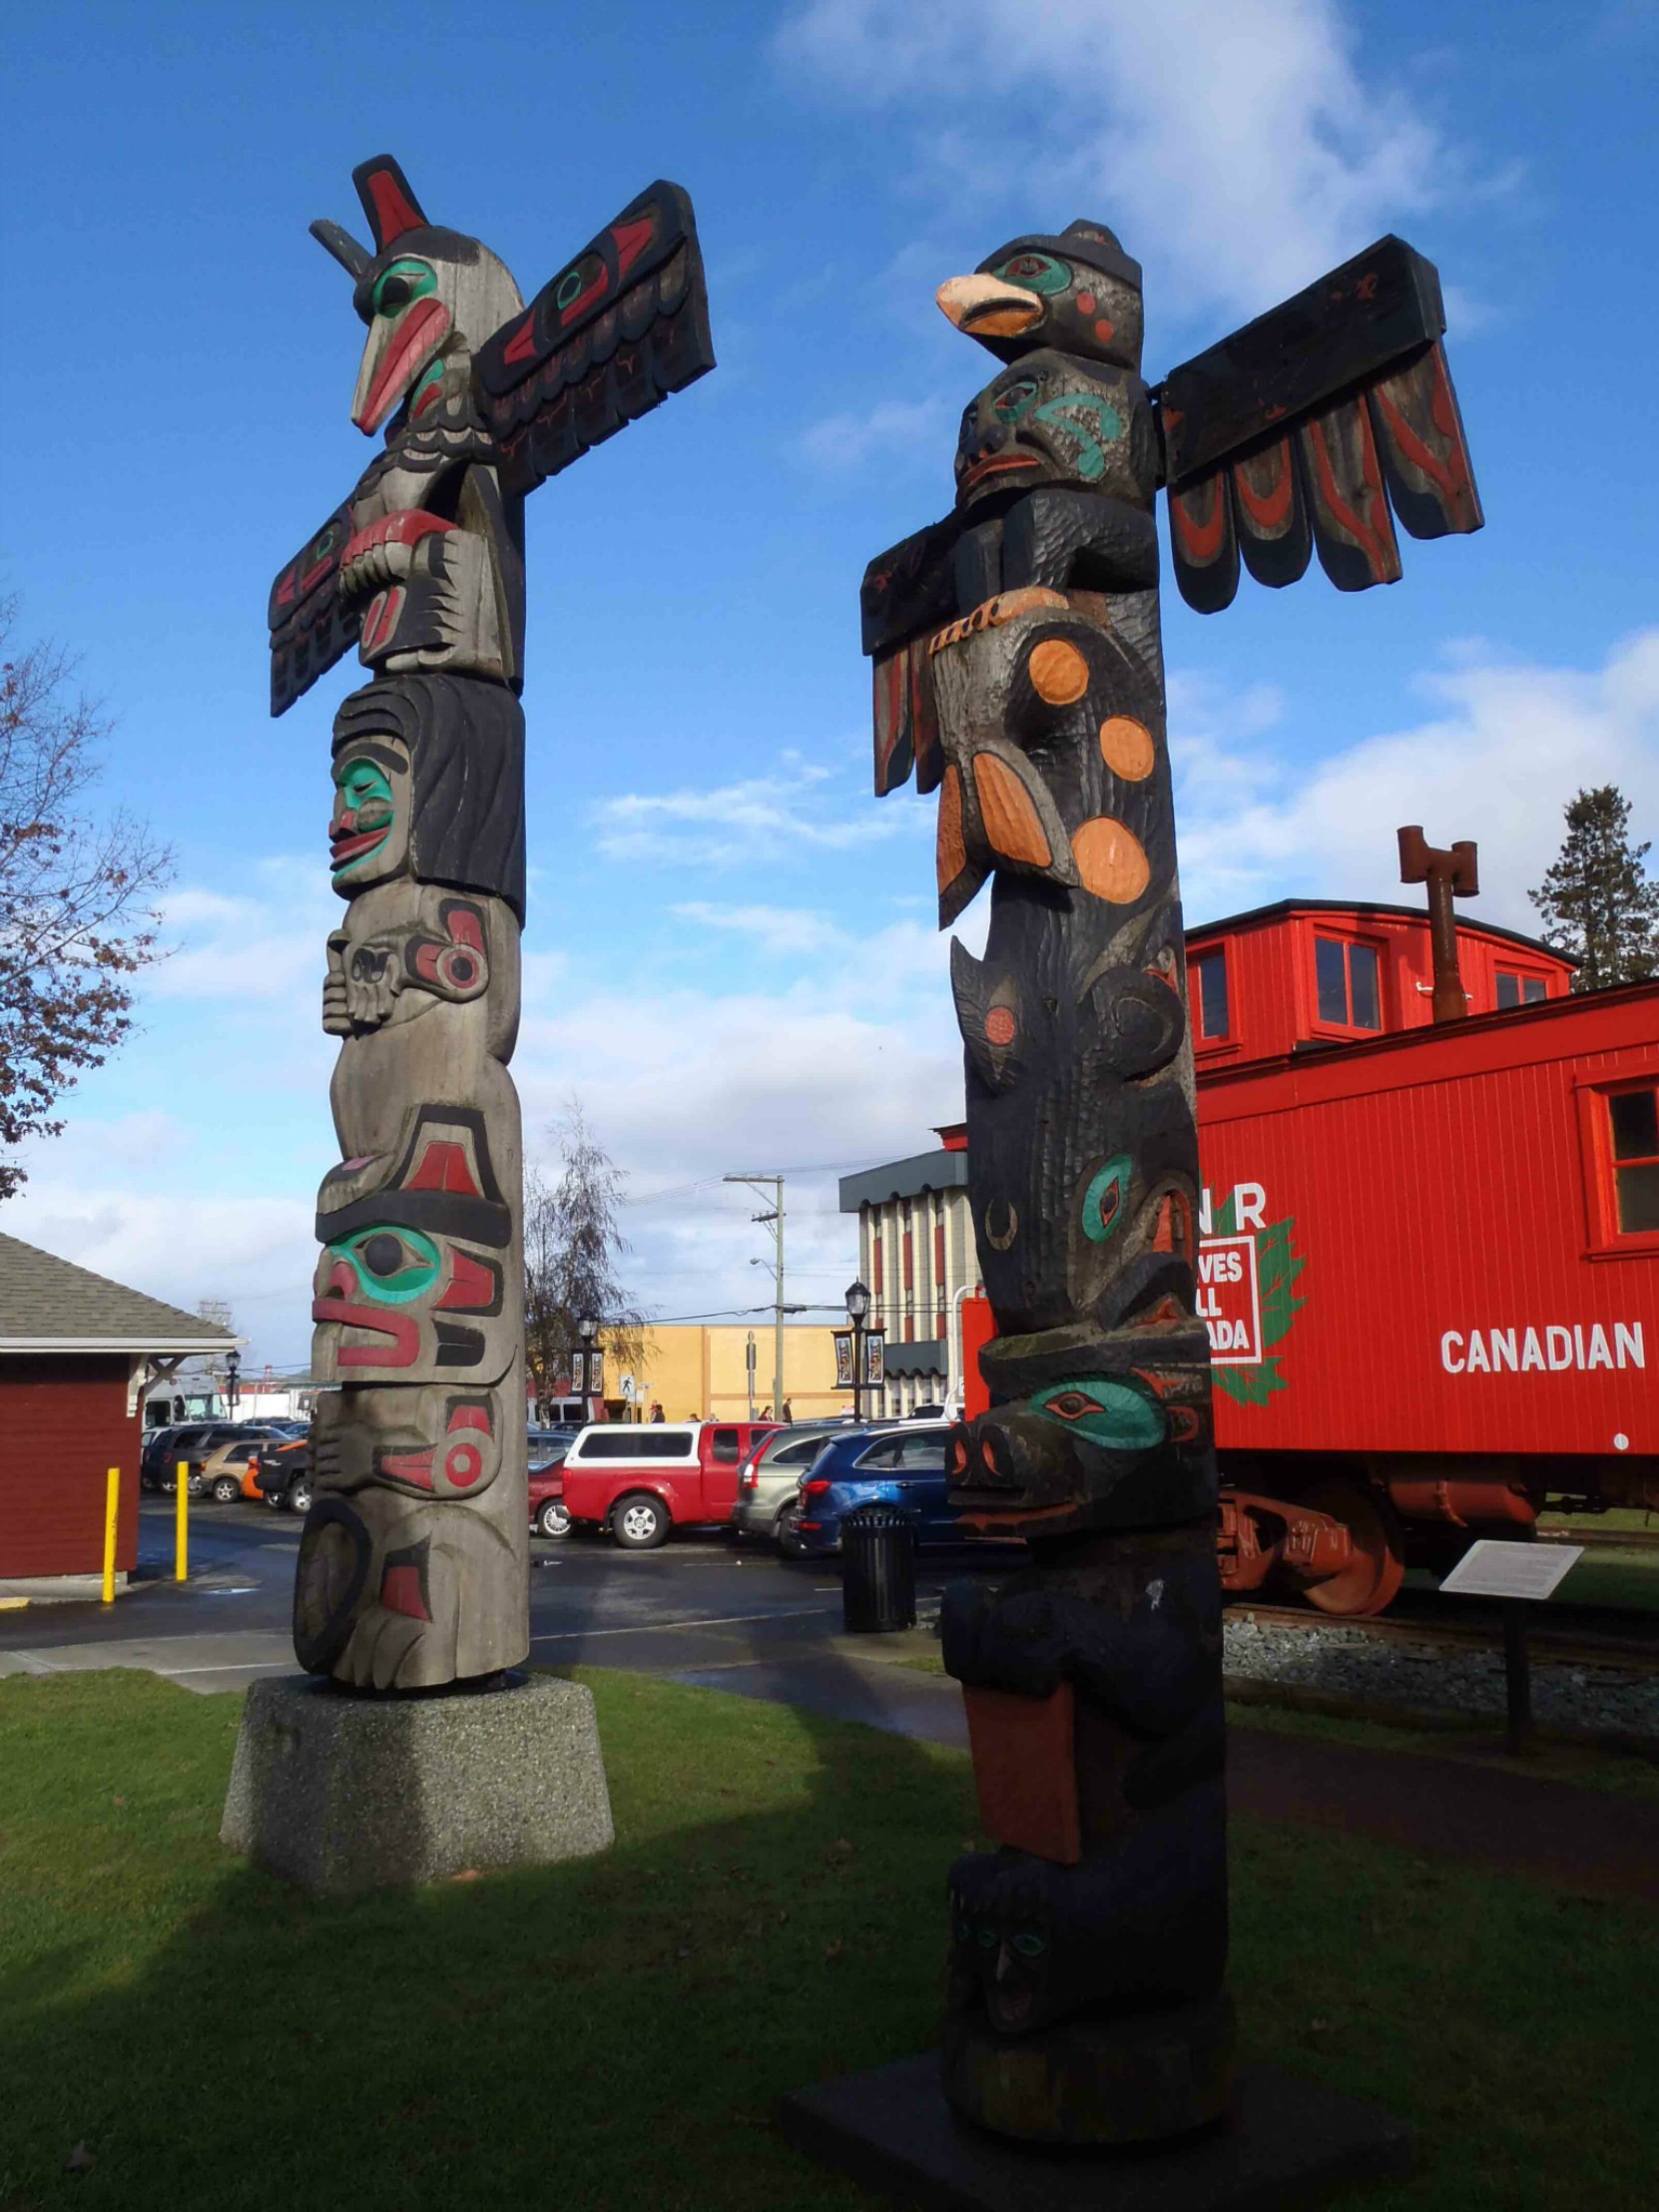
column 1597, row 901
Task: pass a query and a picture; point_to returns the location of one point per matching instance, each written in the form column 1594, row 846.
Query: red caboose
column 1429, row 1256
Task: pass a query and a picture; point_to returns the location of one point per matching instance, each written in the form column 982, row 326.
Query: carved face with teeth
column 1052, row 420
column 409, row 1282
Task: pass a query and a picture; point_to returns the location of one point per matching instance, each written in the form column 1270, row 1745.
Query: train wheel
column 1370, row 1580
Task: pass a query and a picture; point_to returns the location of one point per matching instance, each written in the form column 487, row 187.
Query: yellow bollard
column 181, row 1526
column 112, row 1509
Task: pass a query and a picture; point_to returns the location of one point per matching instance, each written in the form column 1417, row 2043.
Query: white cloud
column 1511, row 743
column 770, row 929
column 1242, row 140
column 262, row 943
column 911, row 430
column 727, row 826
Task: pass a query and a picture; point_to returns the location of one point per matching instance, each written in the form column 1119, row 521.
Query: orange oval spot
column 1104, row 332
column 1058, row 671
column 1126, row 747
column 999, row 1025
column 1085, row 302
column 1111, row 861
column 951, row 852
column 1013, row 824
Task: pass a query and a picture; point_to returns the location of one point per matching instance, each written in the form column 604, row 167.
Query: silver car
column 766, row 1481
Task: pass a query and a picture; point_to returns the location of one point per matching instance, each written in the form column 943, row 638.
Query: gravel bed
column 1433, row 1677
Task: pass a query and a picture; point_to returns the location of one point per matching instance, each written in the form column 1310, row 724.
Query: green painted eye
column 1012, row 403
column 364, row 781
column 1029, row 1945
column 1106, row 1197
column 987, row 1938
column 1035, row 272
column 394, row 1265
column 405, row 281
column 1118, row 1416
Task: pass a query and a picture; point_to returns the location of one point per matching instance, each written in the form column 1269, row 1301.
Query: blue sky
column 730, row 956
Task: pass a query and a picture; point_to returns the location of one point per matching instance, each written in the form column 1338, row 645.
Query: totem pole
column 413, row 1563
column 1020, row 672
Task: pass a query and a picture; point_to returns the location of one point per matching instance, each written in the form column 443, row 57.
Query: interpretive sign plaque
column 1490, row 1568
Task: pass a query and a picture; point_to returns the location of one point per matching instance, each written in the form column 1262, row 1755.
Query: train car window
column 1633, row 1118
column 1366, row 999
column 1331, row 972
column 1211, row 970
column 1520, row 990
column 1349, row 996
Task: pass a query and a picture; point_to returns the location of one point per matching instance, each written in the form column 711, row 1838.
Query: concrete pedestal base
column 1289, row 2144
column 341, row 1792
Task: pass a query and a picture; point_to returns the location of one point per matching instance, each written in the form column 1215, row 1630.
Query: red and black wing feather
column 310, row 625
column 1312, row 429
column 619, row 328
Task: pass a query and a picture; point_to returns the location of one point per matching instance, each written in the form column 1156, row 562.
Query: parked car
column 640, row 1479
column 901, row 1466
column 194, row 1444
column 282, row 1474
column 548, row 1446
column 225, row 1473
column 768, row 1480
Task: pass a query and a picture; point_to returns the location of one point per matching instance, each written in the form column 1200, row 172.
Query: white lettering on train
column 1554, row 1348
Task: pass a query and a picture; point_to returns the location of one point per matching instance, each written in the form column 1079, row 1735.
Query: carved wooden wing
column 625, row 324
column 310, row 625
column 1299, row 432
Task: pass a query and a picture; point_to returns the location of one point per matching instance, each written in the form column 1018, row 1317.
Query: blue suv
column 868, row 1467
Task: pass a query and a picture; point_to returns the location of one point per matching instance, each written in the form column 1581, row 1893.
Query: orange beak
column 985, row 307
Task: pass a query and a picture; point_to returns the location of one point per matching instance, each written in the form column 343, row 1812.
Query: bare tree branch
column 77, row 896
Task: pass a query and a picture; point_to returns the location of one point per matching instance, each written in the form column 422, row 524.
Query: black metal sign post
column 1517, row 1575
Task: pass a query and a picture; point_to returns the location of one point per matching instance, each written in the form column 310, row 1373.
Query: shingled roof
column 49, row 1305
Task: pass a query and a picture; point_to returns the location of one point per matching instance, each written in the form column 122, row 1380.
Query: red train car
column 1429, row 1256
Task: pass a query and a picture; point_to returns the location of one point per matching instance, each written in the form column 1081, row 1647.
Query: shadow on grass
column 615, row 2033
column 604, row 2034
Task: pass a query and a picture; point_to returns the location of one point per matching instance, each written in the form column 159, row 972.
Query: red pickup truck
column 638, row 1480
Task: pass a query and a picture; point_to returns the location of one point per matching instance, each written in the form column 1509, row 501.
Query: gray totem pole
column 413, row 1566
column 1019, row 672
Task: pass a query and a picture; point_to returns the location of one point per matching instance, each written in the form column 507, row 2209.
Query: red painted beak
column 409, row 346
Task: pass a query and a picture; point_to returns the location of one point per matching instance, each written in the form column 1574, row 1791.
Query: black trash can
column 878, row 1570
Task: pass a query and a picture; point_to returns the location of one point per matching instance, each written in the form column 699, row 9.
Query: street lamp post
column 589, row 1328
column 858, row 1312
column 233, row 1387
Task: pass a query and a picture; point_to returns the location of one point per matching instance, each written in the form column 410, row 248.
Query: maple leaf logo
column 1278, row 1263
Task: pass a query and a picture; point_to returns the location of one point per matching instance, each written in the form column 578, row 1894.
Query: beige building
column 918, row 1255
column 697, row 1372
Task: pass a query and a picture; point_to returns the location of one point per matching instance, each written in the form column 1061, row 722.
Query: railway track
column 1565, row 1636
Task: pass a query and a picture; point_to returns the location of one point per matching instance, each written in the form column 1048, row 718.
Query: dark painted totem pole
column 413, row 1567
column 1020, row 672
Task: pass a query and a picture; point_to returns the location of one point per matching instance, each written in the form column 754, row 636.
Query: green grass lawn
column 614, row 2033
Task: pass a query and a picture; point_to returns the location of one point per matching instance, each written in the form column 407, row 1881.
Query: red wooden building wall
column 63, row 1423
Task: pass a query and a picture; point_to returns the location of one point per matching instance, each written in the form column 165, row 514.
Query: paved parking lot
column 703, row 1609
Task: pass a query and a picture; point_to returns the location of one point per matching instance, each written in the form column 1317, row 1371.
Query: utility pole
column 776, row 1218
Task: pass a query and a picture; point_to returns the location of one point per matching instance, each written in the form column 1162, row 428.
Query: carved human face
column 410, row 1284
column 369, row 829
column 1050, row 420
column 1003, row 1955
